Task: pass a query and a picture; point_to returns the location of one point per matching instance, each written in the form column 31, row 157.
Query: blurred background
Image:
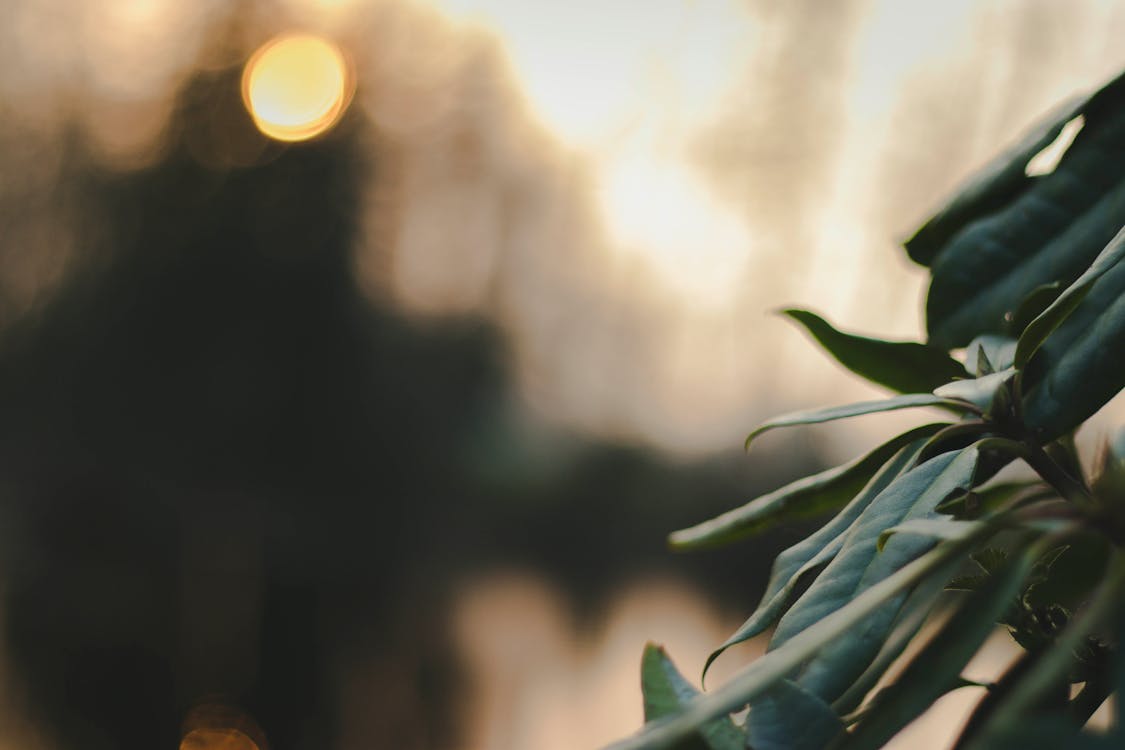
column 356, row 356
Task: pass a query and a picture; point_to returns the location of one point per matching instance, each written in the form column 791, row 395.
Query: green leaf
column 666, row 692
column 793, row 566
column 915, row 611
column 1077, row 370
column 756, row 679
column 937, row 667
column 906, row 367
column 1050, row 230
column 988, row 353
column 956, row 436
column 932, row 528
column 990, row 559
column 981, row 392
column 1047, row 321
column 988, row 500
column 805, row 498
column 1002, row 180
column 790, row 718
column 1053, row 667
column 859, row 566
column 1036, row 301
column 817, row 416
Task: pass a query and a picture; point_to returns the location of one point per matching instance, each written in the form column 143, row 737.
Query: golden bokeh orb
column 217, row 739
column 297, row 86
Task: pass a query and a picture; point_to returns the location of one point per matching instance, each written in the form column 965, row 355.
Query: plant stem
column 1068, row 487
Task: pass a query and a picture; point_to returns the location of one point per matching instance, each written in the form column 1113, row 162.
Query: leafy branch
column 1026, row 330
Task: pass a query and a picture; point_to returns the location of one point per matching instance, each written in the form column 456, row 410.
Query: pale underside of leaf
column 796, row 564
column 818, row 416
column 805, row 498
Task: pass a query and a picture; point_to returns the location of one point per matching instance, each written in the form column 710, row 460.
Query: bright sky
column 628, row 192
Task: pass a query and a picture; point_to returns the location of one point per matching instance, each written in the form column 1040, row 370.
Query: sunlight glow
column 297, row 87
column 658, row 211
column 630, row 99
column 217, row 739
column 1046, row 160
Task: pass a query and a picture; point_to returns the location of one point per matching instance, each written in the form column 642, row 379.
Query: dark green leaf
column 756, row 679
column 793, row 566
column 988, row 500
column 967, row 583
column 666, row 692
column 1078, row 368
column 1001, row 180
column 915, row 494
column 955, row 437
column 817, row 416
column 906, row 367
column 790, row 718
column 1036, row 301
column 932, row 528
column 937, row 667
column 859, row 566
column 808, row 497
column 1050, row 231
column 915, row 611
column 990, row 559
column 1042, row 326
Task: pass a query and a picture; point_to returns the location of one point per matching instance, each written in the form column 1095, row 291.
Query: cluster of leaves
column 927, row 547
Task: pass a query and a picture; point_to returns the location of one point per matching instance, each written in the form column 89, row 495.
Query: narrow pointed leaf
column 915, row 611
column 805, row 498
column 991, row 499
column 666, row 692
column 999, row 353
column 932, row 528
column 937, row 667
column 756, row 679
column 1041, row 327
column 906, row 367
column 793, row 566
column 817, row 416
column 859, row 566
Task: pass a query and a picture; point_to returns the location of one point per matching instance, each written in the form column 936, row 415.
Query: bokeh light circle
column 297, row 86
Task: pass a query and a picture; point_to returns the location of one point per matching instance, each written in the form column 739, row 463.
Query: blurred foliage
column 1028, row 279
